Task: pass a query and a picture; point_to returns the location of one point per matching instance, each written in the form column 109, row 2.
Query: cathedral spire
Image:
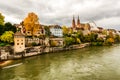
column 78, row 21
column 73, row 22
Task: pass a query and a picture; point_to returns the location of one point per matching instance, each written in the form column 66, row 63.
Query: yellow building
column 19, row 42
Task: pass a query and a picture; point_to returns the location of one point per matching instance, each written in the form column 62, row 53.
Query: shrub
column 34, row 44
column 109, row 41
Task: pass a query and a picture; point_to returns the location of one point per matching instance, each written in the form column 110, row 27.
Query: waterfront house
column 19, row 42
column 56, row 30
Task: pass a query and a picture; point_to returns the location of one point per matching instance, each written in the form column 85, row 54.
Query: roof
column 18, row 33
column 99, row 27
column 55, row 26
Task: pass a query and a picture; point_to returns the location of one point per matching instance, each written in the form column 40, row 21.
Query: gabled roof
column 18, row 33
column 55, row 26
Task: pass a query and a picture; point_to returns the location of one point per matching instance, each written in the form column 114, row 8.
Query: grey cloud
column 61, row 11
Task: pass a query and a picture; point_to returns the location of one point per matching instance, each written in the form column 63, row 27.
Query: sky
column 105, row 13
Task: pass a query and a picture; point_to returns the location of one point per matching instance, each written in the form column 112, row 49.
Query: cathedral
column 74, row 25
column 79, row 25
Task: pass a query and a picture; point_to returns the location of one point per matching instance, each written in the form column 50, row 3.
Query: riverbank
column 37, row 51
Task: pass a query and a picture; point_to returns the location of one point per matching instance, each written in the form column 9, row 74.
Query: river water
column 91, row 63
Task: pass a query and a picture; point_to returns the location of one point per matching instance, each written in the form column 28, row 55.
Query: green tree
column 1, row 29
column 93, row 37
column 69, row 41
column 47, row 31
column 1, row 19
column 80, row 35
column 117, row 38
column 87, row 38
column 7, row 36
column 34, row 44
column 9, row 27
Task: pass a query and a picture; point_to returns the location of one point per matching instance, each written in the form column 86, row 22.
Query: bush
column 2, row 44
column 53, row 43
column 34, row 44
column 109, row 41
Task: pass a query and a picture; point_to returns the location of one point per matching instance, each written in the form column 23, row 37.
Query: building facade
column 56, row 30
column 19, row 42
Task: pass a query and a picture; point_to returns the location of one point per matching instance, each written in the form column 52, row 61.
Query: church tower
column 73, row 23
column 78, row 22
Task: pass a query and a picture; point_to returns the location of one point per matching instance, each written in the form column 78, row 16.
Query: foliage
column 117, row 38
column 7, row 37
column 78, row 41
column 1, row 29
column 100, row 40
column 80, row 35
column 69, row 41
column 1, row 19
column 104, row 32
column 47, row 31
column 34, row 44
column 93, row 37
column 65, row 31
column 111, row 35
column 53, row 43
column 9, row 27
column 87, row 38
column 2, row 44
column 31, row 23
column 109, row 41
column 96, row 43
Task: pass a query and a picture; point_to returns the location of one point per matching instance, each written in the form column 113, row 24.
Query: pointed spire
column 73, row 22
column 78, row 21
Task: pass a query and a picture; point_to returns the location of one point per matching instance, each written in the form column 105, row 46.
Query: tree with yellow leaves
column 31, row 23
column 7, row 37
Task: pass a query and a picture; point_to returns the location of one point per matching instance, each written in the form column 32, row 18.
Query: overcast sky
column 105, row 13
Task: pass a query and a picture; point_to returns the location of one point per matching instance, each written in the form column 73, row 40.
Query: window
column 17, row 40
column 17, row 43
column 21, row 40
column 21, row 43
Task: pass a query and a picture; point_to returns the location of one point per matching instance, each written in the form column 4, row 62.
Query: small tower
column 19, row 42
column 73, row 23
column 78, row 22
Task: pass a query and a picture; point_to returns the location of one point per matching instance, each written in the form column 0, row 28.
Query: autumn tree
column 7, row 37
column 65, row 30
column 109, row 41
column 31, row 23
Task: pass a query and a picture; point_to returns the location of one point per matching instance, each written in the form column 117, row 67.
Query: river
column 91, row 63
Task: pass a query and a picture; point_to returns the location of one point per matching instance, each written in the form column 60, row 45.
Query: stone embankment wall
column 32, row 51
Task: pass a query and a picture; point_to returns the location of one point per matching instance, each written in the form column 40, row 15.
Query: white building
column 56, row 30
